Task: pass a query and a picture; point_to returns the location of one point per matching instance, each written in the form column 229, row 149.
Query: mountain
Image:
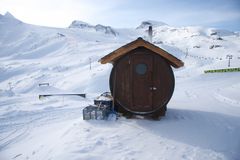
column 9, row 15
column 9, row 18
column 97, row 28
column 80, row 24
column 202, row 120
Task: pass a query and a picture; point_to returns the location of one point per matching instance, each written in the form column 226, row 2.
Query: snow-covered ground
column 203, row 117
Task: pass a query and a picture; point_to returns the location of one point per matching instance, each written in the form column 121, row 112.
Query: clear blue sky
column 126, row 13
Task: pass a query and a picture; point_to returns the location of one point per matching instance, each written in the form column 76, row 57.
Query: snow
column 203, row 117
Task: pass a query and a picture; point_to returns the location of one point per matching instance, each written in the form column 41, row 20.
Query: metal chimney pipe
column 150, row 33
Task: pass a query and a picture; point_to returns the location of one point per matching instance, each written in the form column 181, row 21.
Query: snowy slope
column 202, row 122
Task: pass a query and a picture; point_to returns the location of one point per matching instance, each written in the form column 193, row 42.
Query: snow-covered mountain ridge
column 97, row 28
column 202, row 122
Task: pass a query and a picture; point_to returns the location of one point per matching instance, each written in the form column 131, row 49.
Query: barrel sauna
column 141, row 81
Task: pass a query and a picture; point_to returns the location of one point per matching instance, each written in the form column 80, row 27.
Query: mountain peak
column 79, row 24
column 9, row 15
column 98, row 28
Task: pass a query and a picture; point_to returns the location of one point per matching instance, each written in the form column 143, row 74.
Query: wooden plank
column 48, row 95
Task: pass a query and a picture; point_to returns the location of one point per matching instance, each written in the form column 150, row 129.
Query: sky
column 224, row 14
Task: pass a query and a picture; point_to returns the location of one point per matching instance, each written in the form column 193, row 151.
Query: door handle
column 153, row 88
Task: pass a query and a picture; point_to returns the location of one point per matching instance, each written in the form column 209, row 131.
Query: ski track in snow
column 203, row 117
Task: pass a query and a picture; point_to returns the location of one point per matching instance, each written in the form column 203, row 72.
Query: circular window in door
column 141, row 68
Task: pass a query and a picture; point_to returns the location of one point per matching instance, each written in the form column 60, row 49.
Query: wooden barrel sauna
column 141, row 81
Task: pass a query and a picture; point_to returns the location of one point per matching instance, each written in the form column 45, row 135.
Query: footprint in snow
column 190, row 94
column 18, row 155
column 85, row 149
